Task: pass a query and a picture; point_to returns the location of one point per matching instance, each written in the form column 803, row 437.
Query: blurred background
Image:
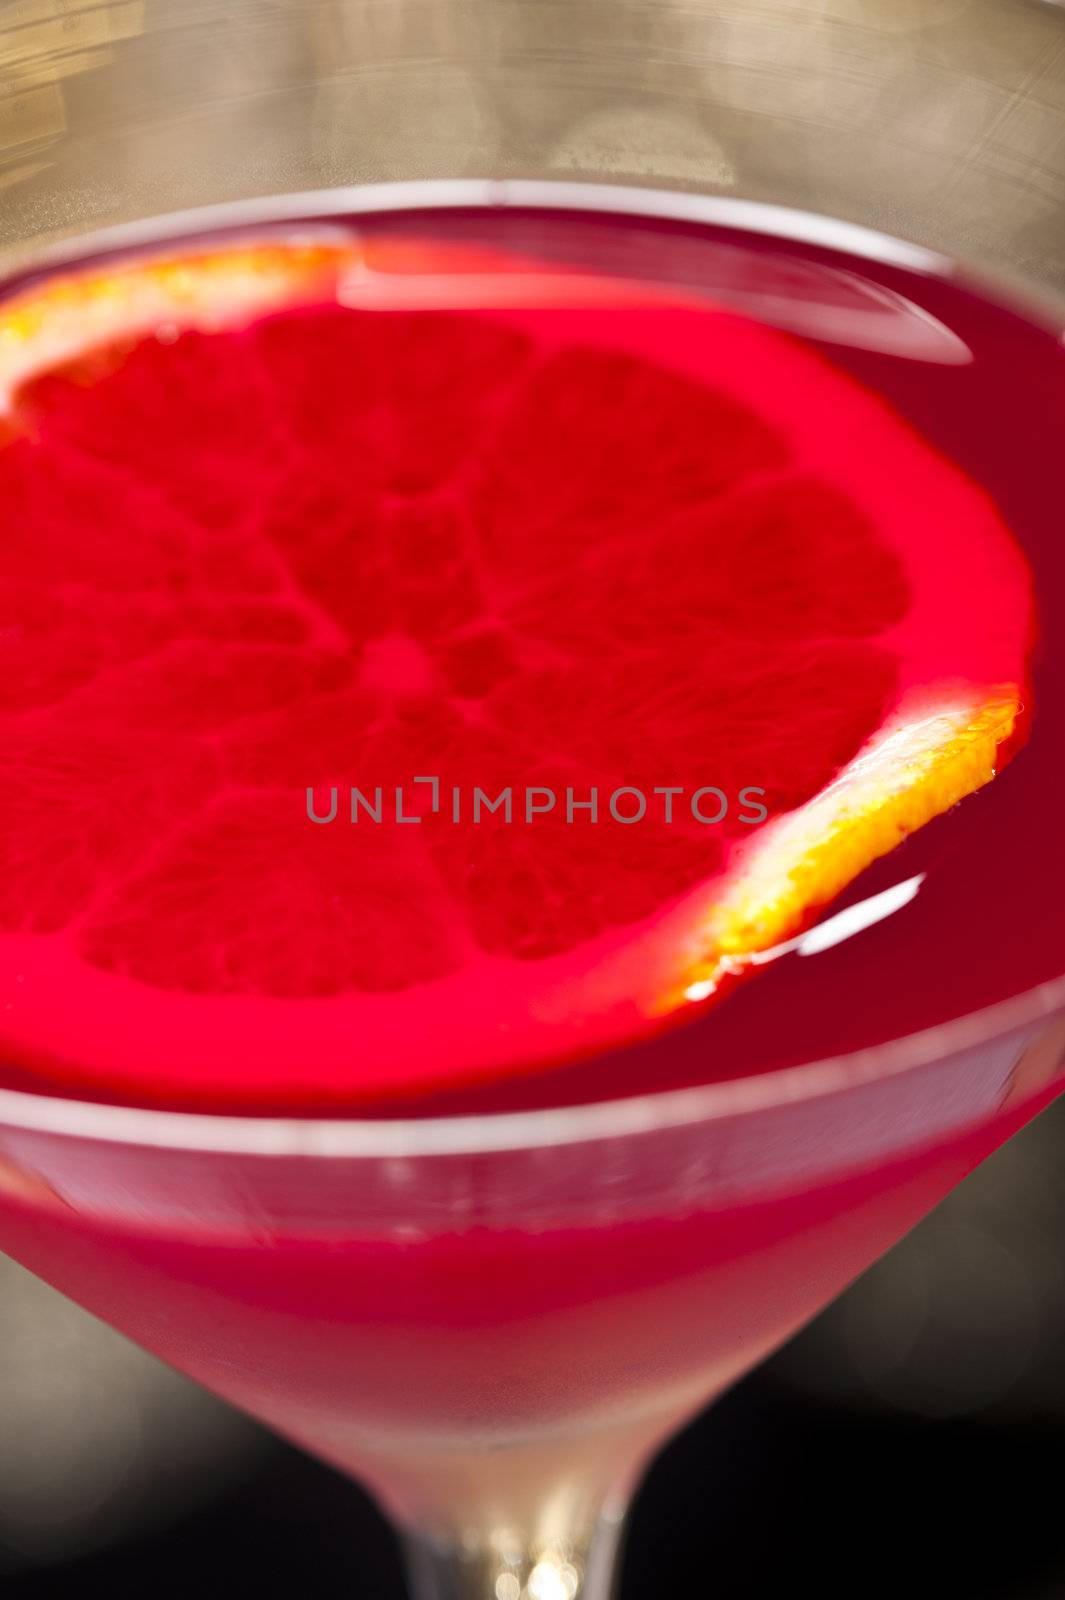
column 912, row 1435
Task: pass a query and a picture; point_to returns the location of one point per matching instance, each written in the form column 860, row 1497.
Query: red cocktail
column 524, row 731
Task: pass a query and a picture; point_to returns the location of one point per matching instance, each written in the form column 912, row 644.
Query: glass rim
column 348, row 1137
column 455, row 194
column 496, row 1132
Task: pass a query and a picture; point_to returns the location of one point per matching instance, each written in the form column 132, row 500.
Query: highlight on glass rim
column 531, row 582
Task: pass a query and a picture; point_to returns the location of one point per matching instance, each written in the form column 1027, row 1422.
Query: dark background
column 911, row 1438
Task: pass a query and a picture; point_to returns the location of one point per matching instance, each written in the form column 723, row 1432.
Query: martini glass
column 495, row 1321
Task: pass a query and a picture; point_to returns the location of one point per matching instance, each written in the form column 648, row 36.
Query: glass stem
column 503, row 1564
column 537, row 1517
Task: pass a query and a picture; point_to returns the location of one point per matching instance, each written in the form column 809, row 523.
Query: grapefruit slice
column 288, row 520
